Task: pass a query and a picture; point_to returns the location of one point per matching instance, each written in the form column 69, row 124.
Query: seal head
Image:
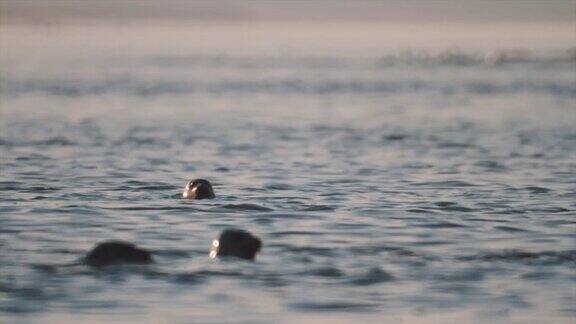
column 236, row 243
column 198, row 189
column 116, row 252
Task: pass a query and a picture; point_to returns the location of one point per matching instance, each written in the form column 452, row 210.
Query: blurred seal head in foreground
column 236, row 243
column 198, row 189
column 116, row 252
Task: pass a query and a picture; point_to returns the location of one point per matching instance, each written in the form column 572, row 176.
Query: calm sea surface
column 389, row 178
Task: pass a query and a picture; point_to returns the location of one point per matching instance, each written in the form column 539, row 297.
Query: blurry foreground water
column 389, row 177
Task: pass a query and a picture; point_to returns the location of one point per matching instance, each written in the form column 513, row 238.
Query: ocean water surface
column 389, row 178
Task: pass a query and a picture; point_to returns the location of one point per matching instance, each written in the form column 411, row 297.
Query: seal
column 237, row 243
column 198, row 189
column 116, row 252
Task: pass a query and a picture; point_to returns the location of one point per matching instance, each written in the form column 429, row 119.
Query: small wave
column 143, row 141
column 445, row 203
column 33, row 157
column 157, row 187
column 9, row 185
column 489, row 165
column 420, row 211
column 510, row 211
column 151, row 208
column 319, row 251
column 82, row 210
column 539, row 258
column 457, row 209
column 451, row 206
column 511, row 229
column 332, row 306
column 467, row 275
column 278, row 186
column 292, row 233
column 319, row 208
column 9, row 231
column 442, row 225
column 550, row 210
column 444, row 184
column 539, row 275
column 188, row 278
column 394, row 137
column 247, row 207
column 537, row 190
column 455, row 145
column 418, row 165
column 431, row 243
column 326, row 272
column 52, row 141
column 61, row 141
column 277, row 215
column 173, row 253
column 39, row 189
column 377, row 249
column 141, row 185
column 372, row 277
column 216, row 273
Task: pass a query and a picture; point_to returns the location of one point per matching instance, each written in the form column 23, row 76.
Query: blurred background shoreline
column 492, row 31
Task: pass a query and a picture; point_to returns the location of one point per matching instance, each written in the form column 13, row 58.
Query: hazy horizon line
column 126, row 11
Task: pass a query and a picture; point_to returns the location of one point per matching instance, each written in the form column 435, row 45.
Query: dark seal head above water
column 116, row 252
column 198, row 189
column 236, row 243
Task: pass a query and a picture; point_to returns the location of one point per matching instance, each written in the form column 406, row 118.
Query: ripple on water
column 244, row 207
column 10, row 185
column 371, row 277
column 441, row 225
column 444, row 184
column 537, row 190
column 511, row 229
column 325, row 272
column 157, row 187
column 295, row 233
column 278, row 186
column 491, row 166
column 39, row 189
column 452, row 206
column 421, row 211
column 331, row 306
column 319, row 208
column 307, row 250
column 188, row 278
column 535, row 258
column 158, row 208
column 53, row 141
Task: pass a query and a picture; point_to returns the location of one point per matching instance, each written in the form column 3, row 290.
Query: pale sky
column 60, row 11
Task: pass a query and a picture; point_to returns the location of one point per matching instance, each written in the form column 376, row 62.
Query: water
column 428, row 185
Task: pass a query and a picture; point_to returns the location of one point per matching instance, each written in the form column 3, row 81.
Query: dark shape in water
column 115, row 252
column 198, row 189
column 237, row 243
